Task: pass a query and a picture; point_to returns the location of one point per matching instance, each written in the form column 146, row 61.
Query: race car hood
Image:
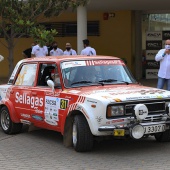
column 120, row 92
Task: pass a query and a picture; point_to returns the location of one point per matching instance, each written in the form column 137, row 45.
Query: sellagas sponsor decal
column 28, row 100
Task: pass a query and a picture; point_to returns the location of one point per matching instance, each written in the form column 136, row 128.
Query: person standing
column 163, row 56
column 39, row 51
column 87, row 49
column 49, row 47
column 69, row 50
column 1, row 58
column 27, row 53
column 56, row 51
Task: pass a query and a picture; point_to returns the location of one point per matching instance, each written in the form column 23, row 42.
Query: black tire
column 6, row 123
column 163, row 137
column 81, row 134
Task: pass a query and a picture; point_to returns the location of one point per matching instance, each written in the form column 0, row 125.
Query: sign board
column 151, row 73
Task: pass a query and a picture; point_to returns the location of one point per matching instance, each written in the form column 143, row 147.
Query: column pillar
column 138, row 44
column 81, row 27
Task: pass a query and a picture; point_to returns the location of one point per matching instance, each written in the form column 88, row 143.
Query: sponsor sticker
column 52, row 105
column 151, row 73
column 152, row 64
column 150, row 54
column 153, row 45
column 165, row 35
column 154, row 35
column 25, row 115
column 63, row 103
column 24, row 98
column 37, row 117
column 73, row 64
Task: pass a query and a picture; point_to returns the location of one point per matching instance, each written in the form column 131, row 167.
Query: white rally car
column 84, row 98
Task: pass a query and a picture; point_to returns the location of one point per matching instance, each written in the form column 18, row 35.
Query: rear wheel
column 6, row 123
column 163, row 137
column 81, row 134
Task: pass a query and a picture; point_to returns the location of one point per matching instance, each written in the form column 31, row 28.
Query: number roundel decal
column 63, row 104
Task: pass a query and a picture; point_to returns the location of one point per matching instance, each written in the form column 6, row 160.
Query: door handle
column 34, row 93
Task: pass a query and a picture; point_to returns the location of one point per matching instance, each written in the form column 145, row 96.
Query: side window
column 26, row 75
column 48, row 72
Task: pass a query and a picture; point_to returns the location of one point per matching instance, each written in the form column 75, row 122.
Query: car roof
column 67, row 58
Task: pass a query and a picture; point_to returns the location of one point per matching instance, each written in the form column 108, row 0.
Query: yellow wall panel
column 115, row 37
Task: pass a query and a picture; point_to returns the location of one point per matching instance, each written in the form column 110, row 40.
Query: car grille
column 153, row 118
column 155, row 111
column 154, row 107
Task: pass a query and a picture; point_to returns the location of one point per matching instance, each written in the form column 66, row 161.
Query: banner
column 152, row 64
column 155, row 40
column 151, row 73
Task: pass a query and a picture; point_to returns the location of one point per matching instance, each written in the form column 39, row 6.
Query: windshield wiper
column 107, row 80
column 112, row 80
column 81, row 82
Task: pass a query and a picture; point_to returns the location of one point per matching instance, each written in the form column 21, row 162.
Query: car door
column 20, row 92
column 44, row 113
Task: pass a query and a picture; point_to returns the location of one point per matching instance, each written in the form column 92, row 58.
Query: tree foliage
column 21, row 17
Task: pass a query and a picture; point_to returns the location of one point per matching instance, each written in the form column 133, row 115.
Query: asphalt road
column 43, row 149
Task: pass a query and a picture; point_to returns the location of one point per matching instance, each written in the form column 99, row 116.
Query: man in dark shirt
column 27, row 53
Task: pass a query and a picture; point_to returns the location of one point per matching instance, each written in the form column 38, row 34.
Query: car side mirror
column 51, row 84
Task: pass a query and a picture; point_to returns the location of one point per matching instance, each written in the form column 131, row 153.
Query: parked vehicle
column 84, row 98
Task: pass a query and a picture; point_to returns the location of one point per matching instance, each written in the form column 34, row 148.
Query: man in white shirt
column 56, row 51
column 69, row 50
column 39, row 51
column 87, row 49
column 163, row 56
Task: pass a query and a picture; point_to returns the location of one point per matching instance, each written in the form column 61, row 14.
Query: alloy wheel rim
column 5, row 120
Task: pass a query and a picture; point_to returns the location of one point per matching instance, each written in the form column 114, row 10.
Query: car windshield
column 95, row 72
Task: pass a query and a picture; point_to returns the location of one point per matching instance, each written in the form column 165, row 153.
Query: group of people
column 37, row 50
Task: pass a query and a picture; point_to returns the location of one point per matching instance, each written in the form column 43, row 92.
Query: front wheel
column 163, row 136
column 6, row 123
column 81, row 134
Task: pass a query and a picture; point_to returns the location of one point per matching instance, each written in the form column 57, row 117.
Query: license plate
column 119, row 132
column 154, row 128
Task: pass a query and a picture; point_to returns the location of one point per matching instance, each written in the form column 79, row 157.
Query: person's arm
column 82, row 52
column 94, row 51
column 74, row 52
column 160, row 55
column 33, row 52
column 61, row 51
column 47, row 51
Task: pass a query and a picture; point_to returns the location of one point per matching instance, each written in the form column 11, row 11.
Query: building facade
column 114, row 28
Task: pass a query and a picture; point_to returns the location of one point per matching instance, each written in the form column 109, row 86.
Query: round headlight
column 137, row 131
column 141, row 111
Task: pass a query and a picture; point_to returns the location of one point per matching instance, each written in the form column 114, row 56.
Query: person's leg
column 168, row 84
column 161, row 82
